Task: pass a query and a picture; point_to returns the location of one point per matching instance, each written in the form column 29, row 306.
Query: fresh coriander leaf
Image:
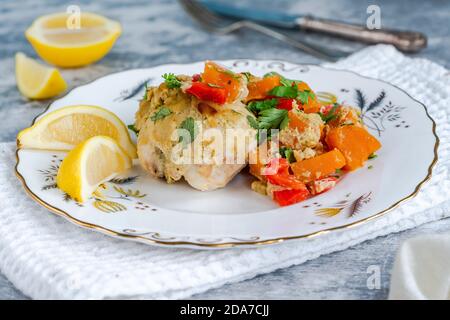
column 132, row 127
column 257, row 106
column 373, row 156
column 271, row 74
column 284, row 123
column 284, row 92
column 252, row 122
column 289, row 83
column 331, row 115
column 189, row 125
column 338, row 171
column 171, row 80
column 370, row 167
column 161, row 113
column 304, row 96
column 284, row 81
column 272, row 118
column 287, row 153
column 268, row 117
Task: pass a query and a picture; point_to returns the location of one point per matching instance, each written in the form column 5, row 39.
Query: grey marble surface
column 156, row 32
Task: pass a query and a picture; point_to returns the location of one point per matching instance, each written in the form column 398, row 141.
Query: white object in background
column 422, row 269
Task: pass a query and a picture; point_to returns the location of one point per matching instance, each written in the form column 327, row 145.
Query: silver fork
column 216, row 24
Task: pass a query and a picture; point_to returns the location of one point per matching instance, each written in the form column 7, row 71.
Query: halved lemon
column 66, row 43
column 36, row 81
column 91, row 163
column 65, row 128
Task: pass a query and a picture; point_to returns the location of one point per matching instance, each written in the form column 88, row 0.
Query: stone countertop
column 157, row 32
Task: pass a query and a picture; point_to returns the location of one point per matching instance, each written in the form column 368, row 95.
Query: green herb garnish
column 304, row 96
column 189, row 125
column 284, row 92
column 160, row 114
column 370, row 167
column 257, row 106
column 267, row 120
column 171, row 80
column 287, row 90
column 132, row 127
column 287, row 153
column 338, row 171
column 331, row 115
column 252, row 121
column 289, row 83
column 273, row 119
column 284, row 81
column 372, row 156
column 272, row 73
column 285, row 122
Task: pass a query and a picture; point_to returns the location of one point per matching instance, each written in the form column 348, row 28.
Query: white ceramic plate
column 138, row 207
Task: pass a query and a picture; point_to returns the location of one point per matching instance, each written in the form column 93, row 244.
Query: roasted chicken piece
column 161, row 114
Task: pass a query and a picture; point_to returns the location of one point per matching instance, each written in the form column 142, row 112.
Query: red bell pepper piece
column 276, row 166
column 205, row 92
column 277, row 172
column 286, row 180
column 287, row 197
column 285, row 103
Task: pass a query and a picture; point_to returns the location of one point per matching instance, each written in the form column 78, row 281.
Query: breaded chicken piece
column 155, row 144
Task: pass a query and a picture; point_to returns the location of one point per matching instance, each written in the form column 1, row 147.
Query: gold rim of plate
column 241, row 243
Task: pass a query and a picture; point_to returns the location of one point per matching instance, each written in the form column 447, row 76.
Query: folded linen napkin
column 47, row 257
column 422, row 269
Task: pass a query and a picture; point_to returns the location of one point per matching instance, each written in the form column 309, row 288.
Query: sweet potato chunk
column 296, row 120
column 216, row 75
column 260, row 89
column 313, row 106
column 355, row 143
column 318, row 167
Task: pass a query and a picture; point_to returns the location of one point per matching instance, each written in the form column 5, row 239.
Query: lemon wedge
column 91, row 163
column 36, row 81
column 59, row 42
column 66, row 127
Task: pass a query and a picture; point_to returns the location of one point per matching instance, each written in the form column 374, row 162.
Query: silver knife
column 407, row 41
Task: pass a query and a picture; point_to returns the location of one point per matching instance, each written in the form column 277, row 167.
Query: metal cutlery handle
column 315, row 50
column 408, row 41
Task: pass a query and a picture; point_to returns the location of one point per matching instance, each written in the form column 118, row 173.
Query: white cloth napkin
column 422, row 269
column 47, row 257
